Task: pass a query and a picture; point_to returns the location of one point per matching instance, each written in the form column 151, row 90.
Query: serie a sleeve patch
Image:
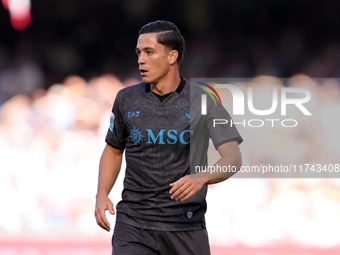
column 112, row 119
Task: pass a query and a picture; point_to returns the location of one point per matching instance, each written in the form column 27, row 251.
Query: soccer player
column 163, row 205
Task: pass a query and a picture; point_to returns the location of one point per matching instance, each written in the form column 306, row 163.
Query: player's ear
column 172, row 56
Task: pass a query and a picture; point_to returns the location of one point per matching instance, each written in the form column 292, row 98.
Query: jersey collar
column 178, row 90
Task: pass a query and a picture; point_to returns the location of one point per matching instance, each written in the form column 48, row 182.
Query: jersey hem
column 162, row 226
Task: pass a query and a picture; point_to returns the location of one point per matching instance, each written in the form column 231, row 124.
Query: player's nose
column 141, row 58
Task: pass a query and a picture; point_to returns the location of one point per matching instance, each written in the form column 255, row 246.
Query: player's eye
column 149, row 52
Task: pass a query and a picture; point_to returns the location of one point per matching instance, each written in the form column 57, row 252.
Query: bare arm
column 187, row 186
column 109, row 167
column 230, row 155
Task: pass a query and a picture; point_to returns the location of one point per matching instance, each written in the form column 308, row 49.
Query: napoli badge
column 187, row 115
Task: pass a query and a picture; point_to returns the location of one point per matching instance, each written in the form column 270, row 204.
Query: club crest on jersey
column 136, row 135
column 112, row 119
column 187, row 115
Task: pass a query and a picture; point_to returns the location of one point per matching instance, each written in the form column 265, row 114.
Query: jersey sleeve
column 115, row 136
column 222, row 131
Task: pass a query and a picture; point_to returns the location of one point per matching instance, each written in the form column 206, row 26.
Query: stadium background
column 58, row 79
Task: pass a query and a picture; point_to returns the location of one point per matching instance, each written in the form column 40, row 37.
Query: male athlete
column 163, row 205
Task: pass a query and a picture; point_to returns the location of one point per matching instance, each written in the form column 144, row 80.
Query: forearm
column 187, row 186
column 109, row 167
column 231, row 160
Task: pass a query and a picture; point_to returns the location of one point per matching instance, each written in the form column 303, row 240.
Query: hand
column 103, row 203
column 186, row 187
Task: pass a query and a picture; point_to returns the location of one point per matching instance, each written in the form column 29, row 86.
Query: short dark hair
column 168, row 35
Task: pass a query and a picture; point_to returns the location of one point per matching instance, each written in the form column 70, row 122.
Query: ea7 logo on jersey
column 133, row 114
column 112, row 119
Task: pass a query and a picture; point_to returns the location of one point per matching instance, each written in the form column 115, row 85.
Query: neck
column 166, row 85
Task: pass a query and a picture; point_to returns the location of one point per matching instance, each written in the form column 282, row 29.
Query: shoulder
column 133, row 90
column 197, row 90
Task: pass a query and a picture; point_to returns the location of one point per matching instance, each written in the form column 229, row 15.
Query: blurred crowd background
column 59, row 78
column 224, row 39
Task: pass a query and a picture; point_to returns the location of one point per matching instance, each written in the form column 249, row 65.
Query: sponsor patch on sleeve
column 112, row 118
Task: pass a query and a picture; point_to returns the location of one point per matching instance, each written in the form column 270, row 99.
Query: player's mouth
column 143, row 71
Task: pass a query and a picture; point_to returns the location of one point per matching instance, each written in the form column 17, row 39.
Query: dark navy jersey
column 157, row 136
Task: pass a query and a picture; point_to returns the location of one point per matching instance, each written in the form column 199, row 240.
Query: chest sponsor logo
column 136, row 136
column 172, row 136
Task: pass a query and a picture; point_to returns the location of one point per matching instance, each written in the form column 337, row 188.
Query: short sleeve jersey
column 156, row 136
